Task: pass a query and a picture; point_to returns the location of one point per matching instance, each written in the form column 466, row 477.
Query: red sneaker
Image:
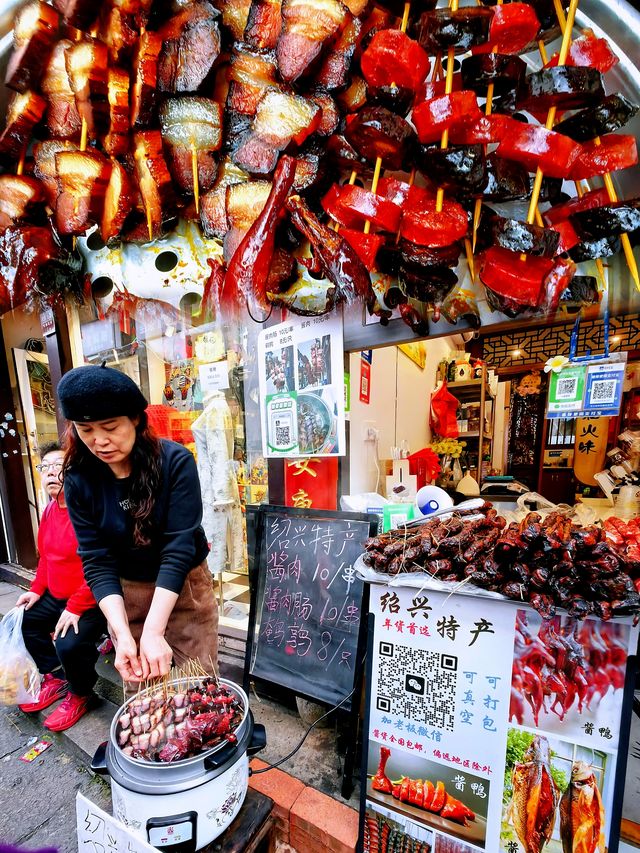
column 69, row 712
column 51, row 689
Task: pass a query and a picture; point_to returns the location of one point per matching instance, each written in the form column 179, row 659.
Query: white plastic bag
column 19, row 676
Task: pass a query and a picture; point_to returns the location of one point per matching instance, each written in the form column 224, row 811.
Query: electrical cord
column 306, row 734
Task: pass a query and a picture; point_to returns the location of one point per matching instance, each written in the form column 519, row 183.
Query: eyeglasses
column 46, row 466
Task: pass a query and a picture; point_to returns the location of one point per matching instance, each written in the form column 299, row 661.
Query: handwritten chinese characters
column 309, row 602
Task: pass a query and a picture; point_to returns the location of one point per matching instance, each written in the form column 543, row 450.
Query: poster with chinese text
column 490, row 727
column 302, row 387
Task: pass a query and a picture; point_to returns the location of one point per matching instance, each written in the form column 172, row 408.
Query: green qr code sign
column 566, row 389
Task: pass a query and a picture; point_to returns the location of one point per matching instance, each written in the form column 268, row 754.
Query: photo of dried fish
column 553, row 796
column 567, row 672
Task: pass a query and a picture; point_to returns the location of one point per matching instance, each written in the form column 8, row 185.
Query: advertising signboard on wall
column 301, row 376
column 491, row 728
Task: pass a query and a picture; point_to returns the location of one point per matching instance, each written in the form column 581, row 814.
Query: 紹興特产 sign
column 478, row 704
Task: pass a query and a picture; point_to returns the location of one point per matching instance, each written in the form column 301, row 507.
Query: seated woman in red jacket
column 60, row 603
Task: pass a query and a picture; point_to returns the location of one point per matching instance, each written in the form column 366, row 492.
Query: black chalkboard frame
column 257, row 584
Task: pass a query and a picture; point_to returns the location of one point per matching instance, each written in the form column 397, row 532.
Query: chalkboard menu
column 305, row 622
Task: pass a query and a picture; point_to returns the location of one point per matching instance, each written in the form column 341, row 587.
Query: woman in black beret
column 135, row 504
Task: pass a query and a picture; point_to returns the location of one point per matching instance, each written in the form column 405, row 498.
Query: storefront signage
column 214, row 376
column 366, row 357
column 98, row 830
column 587, row 390
column 301, row 376
column 304, row 631
column 490, row 728
column 311, row 483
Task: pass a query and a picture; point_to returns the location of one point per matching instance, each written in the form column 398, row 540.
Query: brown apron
column 192, row 631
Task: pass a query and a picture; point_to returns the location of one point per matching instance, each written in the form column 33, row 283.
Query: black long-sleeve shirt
column 99, row 511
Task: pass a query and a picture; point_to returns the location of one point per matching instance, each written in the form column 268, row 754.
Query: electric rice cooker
column 183, row 805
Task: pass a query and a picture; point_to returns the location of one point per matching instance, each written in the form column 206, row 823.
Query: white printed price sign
column 587, row 389
column 491, row 728
column 99, row 832
column 301, row 374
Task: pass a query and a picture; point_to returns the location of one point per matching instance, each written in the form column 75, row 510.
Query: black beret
column 92, row 393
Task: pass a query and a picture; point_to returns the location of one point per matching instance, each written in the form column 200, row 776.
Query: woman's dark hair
column 49, row 447
column 146, row 470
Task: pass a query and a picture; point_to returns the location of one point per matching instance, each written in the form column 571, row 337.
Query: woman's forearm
column 160, row 611
column 113, row 608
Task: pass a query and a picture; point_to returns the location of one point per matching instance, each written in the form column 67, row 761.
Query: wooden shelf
column 475, row 434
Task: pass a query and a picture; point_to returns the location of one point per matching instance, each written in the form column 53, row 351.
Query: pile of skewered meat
column 421, row 793
column 565, row 664
column 142, row 110
column 169, row 725
column 549, row 563
column 380, row 836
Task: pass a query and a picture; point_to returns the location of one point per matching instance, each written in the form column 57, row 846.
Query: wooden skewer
column 194, row 172
column 20, row 167
column 608, row 182
column 378, row 166
column 487, row 111
column 551, row 115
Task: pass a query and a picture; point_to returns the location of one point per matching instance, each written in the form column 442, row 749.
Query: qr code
column 417, row 684
column 603, row 391
column 283, row 436
column 566, row 388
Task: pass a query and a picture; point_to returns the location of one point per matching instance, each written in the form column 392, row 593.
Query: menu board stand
column 306, row 631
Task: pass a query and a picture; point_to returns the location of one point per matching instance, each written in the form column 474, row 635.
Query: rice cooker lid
column 158, row 779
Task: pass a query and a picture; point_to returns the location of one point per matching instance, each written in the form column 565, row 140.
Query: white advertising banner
column 491, row 728
column 301, row 377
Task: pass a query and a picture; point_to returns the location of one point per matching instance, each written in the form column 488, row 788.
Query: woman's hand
column 155, row 654
column 127, row 661
column 28, row 599
column 66, row 621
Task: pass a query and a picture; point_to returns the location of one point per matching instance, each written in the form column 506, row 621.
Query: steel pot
column 183, row 805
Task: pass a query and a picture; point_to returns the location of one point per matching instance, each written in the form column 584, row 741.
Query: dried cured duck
column 535, row 797
column 34, row 31
column 24, row 111
column 82, row 178
column 582, row 813
column 190, row 49
column 192, row 127
column 63, row 119
column 307, row 26
column 17, row 195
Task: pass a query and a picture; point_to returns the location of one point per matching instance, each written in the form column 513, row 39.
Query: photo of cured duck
column 554, row 796
column 449, row 799
column 567, row 672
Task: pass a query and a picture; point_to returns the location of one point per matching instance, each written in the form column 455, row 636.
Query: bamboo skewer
column 551, row 115
column 487, row 111
column 608, row 182
column 378, row 166
column 194, row 172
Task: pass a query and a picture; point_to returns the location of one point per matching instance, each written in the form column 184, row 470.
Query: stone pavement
column 37, row 800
